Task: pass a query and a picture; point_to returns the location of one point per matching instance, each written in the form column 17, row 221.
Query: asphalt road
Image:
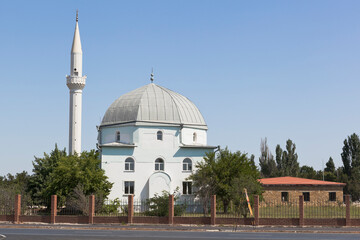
column 66, row 234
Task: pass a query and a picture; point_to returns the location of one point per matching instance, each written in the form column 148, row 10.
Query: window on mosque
column 129, row 187
column 306, row 196
column 187, row 164
column 194, row 137
column 159, row 164
column 129, row 164
column 187, row 188
column 332, row 196
column 284, row 196
column 117, row 138
column 159, row 135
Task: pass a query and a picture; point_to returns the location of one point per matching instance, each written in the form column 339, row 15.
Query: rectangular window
column 306, row 196
column 332, row 196
column 187, row 188
column 129, row 187
column 284, row 196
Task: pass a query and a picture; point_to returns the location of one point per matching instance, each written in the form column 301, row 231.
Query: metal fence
column 78, row 206
column 142, row 208
column 111, row 207
column 275, row 209
column 7, row 205
column 324, row 209
column 186, row 206
column 355, row 209
column 31, row 208
column 233, row 210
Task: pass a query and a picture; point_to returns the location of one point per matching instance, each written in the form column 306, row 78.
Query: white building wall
column 147, row 150
column 187, row 136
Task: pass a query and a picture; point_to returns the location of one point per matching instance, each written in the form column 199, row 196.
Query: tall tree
column 266, row 160
column 330, row 166
column 351, row 153
column 287, row 161
column 279, row 158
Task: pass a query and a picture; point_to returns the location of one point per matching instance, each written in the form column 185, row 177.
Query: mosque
column 149, row 140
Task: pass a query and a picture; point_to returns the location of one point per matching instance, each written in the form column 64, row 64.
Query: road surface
column 67, row 234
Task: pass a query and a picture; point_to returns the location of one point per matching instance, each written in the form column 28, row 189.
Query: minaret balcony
column 75, row 82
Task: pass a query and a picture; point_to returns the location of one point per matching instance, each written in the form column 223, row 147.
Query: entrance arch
column 159, row 182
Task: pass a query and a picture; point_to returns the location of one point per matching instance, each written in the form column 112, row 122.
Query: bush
column 159, row 205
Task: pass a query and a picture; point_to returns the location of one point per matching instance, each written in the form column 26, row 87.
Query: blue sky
column 255, row 69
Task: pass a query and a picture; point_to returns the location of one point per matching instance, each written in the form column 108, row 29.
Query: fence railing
column 189, row 207
column 324, row 209
column 275, row 209
column 109, row 207
column 7, row 205
column 31, row 208
column 192, row 207
column 232, row 211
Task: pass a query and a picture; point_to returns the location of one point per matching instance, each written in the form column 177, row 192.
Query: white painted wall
column 187, row 136
column 147, row 150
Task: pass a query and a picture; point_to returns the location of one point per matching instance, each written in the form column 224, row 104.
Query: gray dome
column 153, row 103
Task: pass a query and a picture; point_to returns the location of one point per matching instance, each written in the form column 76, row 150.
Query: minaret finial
column 77, row 15
column 152, row 75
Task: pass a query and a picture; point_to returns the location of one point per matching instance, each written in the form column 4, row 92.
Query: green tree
column 75, row 170
column 60, row 174
column 11, row 185
column 238, row 196
column 351, row 153
column 330, row 166
column 266, row 161
column 204, row 181
column 287, row 161
column 42, row 175
column 308, row 172
column 221, row 171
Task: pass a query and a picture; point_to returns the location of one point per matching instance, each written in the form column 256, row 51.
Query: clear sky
column 255, row 69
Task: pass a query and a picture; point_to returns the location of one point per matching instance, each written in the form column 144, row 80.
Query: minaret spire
column 75, row 82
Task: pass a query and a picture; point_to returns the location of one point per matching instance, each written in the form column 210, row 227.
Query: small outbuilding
column 288, row 189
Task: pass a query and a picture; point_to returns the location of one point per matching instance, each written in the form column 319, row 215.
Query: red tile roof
column 296, row 181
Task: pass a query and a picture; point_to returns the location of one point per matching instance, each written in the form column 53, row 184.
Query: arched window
column 159, row 164
column 117, row 138
column 187, row 164
column 159, row 135
column 129, row 164
column 194, row 137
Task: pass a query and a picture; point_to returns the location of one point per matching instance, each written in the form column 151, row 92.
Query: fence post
column 171, row 209
column 17, row 208
column 256, row 210
column 347, row 202
column 53, row 208
column 91, row 209
column 213, row 209
column 301, row 210
column 130, row 208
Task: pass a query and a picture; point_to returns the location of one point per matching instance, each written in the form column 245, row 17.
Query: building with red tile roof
column 288, row 189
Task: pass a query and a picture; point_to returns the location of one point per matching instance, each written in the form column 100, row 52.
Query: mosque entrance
column 159, row 182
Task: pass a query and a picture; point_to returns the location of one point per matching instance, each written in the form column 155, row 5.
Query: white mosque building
column 149, row 140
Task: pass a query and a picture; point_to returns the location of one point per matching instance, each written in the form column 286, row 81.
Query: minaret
column 76, row 83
